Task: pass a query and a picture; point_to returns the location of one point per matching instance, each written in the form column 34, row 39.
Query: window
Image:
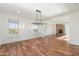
column 13, row 27
column 35, row 27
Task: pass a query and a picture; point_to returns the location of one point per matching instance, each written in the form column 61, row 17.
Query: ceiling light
column 18, row 11
column 38, row 20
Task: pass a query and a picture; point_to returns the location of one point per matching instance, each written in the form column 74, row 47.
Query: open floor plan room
column 39, row 29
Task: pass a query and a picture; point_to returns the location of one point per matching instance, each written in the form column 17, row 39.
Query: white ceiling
column 28, row 9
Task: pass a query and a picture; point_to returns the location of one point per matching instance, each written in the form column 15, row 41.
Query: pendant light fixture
column 38, row 22
column 38, row 19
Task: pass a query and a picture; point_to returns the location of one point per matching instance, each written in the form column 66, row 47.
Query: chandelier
column 38, row 19
column 38, row 23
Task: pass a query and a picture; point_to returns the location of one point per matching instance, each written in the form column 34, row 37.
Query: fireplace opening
column 60, row 31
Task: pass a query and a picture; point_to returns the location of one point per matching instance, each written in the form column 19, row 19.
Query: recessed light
column 18, row 11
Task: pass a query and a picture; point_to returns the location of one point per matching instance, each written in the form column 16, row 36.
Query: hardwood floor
column 42, row 46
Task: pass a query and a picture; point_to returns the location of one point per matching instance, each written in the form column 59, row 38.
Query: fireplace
column 60, row 31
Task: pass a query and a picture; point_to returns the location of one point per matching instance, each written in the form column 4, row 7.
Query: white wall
column 74, row 28
column 66, row 28
column 25, row 33
column 51, row 29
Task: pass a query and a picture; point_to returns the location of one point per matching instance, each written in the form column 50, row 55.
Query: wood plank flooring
column 41, row 46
